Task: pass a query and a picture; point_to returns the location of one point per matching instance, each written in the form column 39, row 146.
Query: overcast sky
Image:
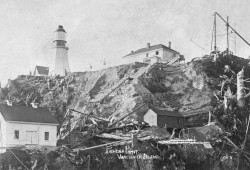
column 110, row 29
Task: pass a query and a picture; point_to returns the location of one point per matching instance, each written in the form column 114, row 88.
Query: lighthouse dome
column 61, row 29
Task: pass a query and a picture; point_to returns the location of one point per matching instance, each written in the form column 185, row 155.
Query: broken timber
column 121, row 142
column 134, row 139
column 187, row 141
column 101, row 131
column 110, row 136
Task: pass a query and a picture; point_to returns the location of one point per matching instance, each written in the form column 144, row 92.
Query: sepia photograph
column 124, row 85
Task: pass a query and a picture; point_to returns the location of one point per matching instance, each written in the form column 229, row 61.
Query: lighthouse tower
column 61, row 60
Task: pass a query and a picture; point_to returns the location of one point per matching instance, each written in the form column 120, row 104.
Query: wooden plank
column 110, row 136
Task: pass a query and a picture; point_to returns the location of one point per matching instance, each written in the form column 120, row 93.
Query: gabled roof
column 27, row 114
column 42, row 70
column 151, row 48
column 166, row 113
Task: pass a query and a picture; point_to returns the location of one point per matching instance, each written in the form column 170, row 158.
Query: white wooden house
column 24, row 125
column 152, row 54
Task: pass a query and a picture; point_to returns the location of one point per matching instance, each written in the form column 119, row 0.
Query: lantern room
column 60, row 36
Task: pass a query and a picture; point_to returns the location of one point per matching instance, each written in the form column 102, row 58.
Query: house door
column 31, row 137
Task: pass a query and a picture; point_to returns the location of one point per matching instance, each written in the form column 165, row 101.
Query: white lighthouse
column 61, row 60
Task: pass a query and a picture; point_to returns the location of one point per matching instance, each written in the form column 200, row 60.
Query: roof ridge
column 150, row 48
column 168, row 112
column 41, row 66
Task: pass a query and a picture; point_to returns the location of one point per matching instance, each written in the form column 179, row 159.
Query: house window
column 147, row 55
column 157, row 52
column 16, row 134
column 179, row 121
column 46, row 136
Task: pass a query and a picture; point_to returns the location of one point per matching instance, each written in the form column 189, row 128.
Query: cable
column 224, row 34
column 18, row 158
column 197, row 45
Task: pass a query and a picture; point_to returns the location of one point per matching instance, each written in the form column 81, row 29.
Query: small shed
column 41, row 71
column 164, row 118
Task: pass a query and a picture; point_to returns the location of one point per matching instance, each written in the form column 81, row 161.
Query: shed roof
column 42, row 70
column 166, row 113
column 151, row 48
column 27, row 114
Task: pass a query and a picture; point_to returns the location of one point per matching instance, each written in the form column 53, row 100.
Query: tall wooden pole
column 215, row 47
column 227, row 35
column 235, row 41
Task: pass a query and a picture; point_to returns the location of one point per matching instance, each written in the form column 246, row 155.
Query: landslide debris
column 115, row 92
column 181, row 88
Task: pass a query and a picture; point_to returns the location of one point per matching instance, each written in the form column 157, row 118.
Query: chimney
column 148, row 45
column 169, row 44
column 132, row 51
column 34, row 105
column 9, row 103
